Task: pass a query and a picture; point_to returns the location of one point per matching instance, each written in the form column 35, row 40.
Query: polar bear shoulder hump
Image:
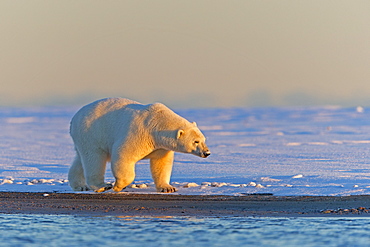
column 157, row 107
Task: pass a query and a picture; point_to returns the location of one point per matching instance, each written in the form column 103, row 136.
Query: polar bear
column 123, row 132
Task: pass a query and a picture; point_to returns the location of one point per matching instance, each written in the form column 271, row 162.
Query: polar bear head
column 191, row 140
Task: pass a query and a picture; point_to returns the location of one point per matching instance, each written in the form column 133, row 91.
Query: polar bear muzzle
column 205, row 154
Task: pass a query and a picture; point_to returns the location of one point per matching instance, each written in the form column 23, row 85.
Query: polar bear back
column 103, row 121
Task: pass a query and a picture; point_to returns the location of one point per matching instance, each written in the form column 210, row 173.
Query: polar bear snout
column 201, row 152
column 205, row 154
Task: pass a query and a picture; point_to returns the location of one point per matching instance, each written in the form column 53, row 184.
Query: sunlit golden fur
column 123, row 132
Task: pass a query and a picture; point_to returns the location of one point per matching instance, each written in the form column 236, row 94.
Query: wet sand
column 128, row 204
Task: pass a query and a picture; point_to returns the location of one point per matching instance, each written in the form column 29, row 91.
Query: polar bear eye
column 196, row 142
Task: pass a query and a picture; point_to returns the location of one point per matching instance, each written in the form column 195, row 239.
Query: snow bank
column 282, row 151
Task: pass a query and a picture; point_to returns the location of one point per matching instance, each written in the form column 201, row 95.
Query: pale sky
column 189, row 53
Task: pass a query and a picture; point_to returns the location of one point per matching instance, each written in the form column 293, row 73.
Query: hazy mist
column 185, row 53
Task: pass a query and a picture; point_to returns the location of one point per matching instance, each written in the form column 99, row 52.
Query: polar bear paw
column 81, row 188
column 166, row 189
column 104, row 188
column 101, row 188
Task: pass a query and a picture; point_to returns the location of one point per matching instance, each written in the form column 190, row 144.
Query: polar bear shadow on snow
column 122, row 132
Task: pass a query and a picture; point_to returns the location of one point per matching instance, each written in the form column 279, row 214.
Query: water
column 56, row 230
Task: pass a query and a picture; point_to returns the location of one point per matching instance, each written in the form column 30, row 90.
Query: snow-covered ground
column 283, row 151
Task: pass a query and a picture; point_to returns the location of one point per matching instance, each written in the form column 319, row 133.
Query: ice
column 189, row 185
column 280, row 151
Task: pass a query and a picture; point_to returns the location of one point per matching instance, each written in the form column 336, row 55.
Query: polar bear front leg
column 161, row 162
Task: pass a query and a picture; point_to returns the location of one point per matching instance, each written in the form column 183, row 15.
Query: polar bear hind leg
column 124, row 172
column 76, row 175
column 94, row 164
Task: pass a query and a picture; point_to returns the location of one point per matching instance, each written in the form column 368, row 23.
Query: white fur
column 123, row 132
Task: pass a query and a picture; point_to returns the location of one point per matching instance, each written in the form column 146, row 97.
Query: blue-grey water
column 56, row 230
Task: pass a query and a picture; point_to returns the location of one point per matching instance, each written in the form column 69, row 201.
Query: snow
column 280, row 151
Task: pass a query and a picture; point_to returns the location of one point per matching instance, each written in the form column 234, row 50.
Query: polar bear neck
column 165, row 118
column 165, row 125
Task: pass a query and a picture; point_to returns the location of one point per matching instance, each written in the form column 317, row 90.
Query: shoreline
column 132, row 204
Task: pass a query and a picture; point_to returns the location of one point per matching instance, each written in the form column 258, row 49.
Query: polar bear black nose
column 206, row 153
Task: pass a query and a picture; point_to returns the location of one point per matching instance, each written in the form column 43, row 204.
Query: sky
column 185, row 53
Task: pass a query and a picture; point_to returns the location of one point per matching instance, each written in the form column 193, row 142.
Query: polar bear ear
column 195, row 124
column 180, row 133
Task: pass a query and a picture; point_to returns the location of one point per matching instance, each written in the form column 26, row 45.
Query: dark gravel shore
column 127, row 204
